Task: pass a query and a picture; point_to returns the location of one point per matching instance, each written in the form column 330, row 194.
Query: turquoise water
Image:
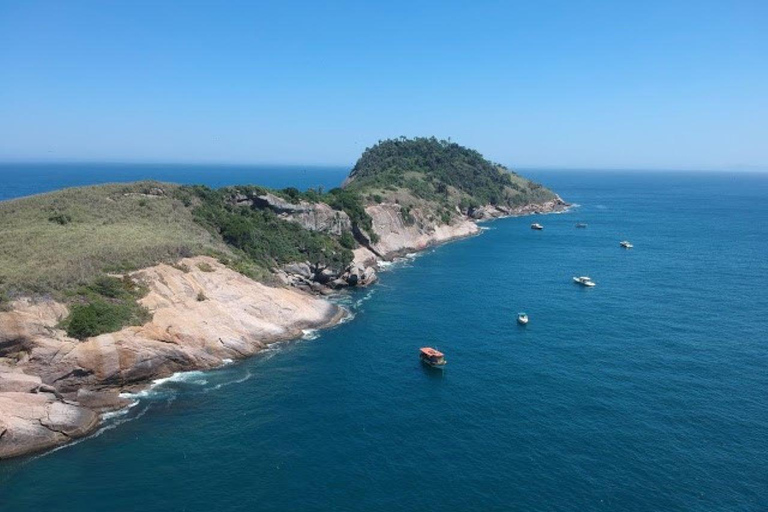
column 645, row 393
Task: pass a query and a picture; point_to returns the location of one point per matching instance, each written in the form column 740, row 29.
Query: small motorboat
column 584, row 281
column 522, row 318
column 581, row 225
column 626, row 244
column 537, row 226
column 432, row 357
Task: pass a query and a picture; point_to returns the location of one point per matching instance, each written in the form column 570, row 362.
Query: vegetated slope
column 263, row 237
column 60, row 240
column 440, row 171
column 64, row 243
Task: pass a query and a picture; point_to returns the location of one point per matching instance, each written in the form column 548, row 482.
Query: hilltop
column 442, row 172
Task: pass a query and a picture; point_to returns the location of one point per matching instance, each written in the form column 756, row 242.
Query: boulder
column 32, row 422
column 299, row 269
column 324, row 276
column 19, row 382
column 278, row 204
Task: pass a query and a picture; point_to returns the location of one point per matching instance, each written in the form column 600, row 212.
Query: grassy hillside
column 56, row 241
column 442, row 172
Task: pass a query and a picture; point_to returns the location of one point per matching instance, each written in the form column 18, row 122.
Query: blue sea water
column 645, row 393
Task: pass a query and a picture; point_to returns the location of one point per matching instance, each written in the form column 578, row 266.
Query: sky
column 573, row 84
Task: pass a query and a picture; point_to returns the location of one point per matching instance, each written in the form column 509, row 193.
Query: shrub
column 347, row 240
column 405, row 213
column 100, row 316
column 201, row 296
column 60, row 218
column 5, row 301
column 110, row 287
column 205, row 267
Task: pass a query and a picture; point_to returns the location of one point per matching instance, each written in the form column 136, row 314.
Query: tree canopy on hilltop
column 428, row 167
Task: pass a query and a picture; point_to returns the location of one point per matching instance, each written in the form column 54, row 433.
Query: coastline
column 62, row 389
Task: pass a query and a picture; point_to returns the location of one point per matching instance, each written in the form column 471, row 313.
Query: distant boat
column 537, row 226
column 432, row 357
column 584, row 281
column 522, row 318
column 581, row 225
column 626, row 244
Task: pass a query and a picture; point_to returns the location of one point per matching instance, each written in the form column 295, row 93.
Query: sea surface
column 648, row 392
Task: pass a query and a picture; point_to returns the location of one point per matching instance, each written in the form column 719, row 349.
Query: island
column 104, row 289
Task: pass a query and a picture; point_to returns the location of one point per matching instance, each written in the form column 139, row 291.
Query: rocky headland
column 203, row 311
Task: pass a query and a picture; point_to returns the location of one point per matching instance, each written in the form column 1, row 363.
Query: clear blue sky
column 670, row 84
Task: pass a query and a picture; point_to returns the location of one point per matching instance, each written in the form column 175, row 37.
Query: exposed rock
column 299, row 269
column 364, row 257
column 397, row 237
column 324, row 276
column 321, row 217
column 240, row 318
column 19, row 382
column 32, row 422
column 277, row 204
column 106, row 399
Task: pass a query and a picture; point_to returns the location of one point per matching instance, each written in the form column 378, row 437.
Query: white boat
column 522, row 318
column 626, row 244
column 537, row 226
column 584, row 281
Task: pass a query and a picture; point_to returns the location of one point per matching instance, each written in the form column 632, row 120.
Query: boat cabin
column 432, row 357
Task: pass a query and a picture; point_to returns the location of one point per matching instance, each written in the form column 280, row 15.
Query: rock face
column 32, row 422
column 323, row 218
column 397, row 237
column 312, row 216
column 493, row 212
column 51, row 386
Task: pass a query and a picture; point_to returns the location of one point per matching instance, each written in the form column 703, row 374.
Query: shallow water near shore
column 647, row 392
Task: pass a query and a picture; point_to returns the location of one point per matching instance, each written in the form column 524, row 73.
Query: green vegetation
column 442, row 172
column 205, row 267
column 261, row 235
column 106, row 305
column 61, row 240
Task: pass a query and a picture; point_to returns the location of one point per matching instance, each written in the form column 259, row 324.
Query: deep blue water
column 645, row 393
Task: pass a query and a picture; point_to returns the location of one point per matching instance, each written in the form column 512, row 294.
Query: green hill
column 440, row 171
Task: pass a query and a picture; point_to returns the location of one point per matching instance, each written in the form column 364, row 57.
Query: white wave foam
column 310, row 334
column 107, row 416
column 192, row 377
column 106, row 427
column 220, row 385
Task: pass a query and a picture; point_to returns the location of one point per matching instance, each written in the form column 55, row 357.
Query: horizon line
column 739, row 168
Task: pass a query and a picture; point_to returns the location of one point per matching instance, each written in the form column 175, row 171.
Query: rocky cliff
column 52, row 387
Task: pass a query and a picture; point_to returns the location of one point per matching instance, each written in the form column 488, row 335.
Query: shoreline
column 91, row 401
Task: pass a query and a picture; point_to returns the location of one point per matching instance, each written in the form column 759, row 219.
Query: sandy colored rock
column 32, row 422
column 397, row 237
column 237, row 318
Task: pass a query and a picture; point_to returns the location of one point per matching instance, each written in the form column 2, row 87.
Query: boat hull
column 436, row 366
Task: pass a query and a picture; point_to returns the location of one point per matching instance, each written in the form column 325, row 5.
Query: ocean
column 648, row 392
